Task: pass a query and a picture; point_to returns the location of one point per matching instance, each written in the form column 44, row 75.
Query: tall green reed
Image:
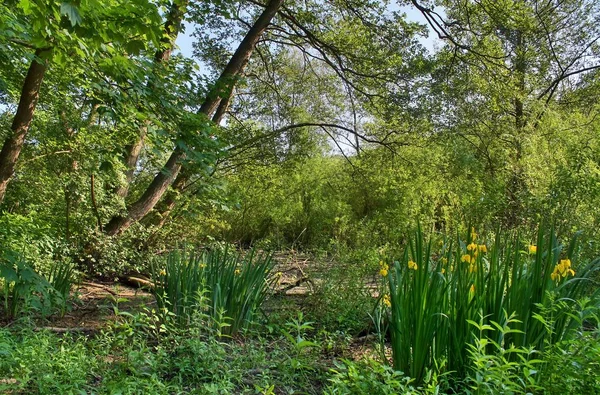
column 435, row 294
column 216, row 283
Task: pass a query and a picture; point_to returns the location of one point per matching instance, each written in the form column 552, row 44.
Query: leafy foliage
column 434, row 296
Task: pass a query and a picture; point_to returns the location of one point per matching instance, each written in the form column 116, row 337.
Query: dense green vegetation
column 436, row 204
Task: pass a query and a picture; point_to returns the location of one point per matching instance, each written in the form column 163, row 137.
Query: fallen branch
column 138, row 282
column 81, row 330
column 104, row 287
column 292, row 285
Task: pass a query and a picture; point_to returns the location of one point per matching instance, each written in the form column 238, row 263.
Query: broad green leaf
column 71, row 12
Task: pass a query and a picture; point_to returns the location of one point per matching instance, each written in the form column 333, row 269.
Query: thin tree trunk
column 163, row 54
column 517, row 186
column 22, row 120
column 132, row 155
column 221, row 89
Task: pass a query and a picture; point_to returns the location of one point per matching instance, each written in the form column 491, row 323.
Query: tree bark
column 22, row 121
column 182, row 179
column 163, row 54
column 517, row 187
column 132, row 155
column 221, row 89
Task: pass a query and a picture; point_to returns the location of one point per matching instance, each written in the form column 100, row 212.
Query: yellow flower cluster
column 467, row 258
column 476, row 248
column 387, row 300
column 412, row 265
column 532, row 249
column 237, row 271
column 473, row 250
column 562, row 269
column 383, row 271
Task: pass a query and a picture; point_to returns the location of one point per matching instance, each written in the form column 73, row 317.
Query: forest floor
column 96, row 303
column 103, row 335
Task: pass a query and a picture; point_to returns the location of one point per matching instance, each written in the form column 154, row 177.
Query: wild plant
column 433, row 295
column 228, row 287
column 23, row 288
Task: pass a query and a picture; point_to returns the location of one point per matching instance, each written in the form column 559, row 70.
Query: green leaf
column 26, row 6
column 134, row 47
column 71, row 12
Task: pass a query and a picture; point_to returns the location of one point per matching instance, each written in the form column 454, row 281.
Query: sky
column 185, row 40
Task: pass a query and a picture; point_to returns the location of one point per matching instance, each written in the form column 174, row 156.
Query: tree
column 57, row 32
column 219, row 95
column 504, row 66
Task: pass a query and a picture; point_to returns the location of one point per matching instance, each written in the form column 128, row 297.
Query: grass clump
column 436, row 295
column 223, row 288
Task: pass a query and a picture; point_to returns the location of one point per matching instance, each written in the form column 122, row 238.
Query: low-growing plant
column 434, row 294
column 61, row 278
column 295, row 331
column 571, row 365
column 23, row 288
column 500, row 367
column 229, row 288
column 370, row 377
column 341, row 300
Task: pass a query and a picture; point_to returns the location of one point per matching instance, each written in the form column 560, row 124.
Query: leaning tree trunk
column 22, row 120
column 180, row 183
column 222, row 88
column 163, row 54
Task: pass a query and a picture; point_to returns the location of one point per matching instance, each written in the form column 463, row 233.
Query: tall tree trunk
column 163, row 54
column 182, row 179
column 517, row 187
column 222, row 89
column 22, row 120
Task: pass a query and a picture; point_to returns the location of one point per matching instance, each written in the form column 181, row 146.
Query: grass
column 218, row 286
